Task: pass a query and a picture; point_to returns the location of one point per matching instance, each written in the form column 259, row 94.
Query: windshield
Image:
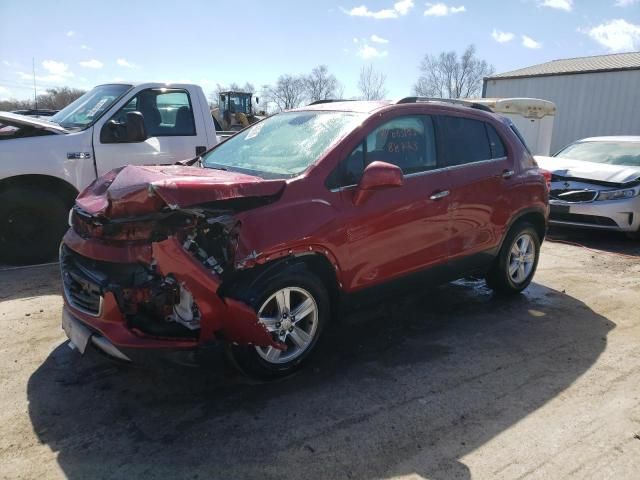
column 612, row 153
column 283, row 145
column 89, row 107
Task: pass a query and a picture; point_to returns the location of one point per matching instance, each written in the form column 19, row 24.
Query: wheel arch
column 47, row 182
column 532, row 215
column 315, row 262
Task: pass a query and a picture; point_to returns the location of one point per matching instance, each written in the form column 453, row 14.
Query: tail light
column 547, row 176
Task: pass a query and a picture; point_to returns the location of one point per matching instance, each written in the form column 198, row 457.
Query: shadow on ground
column 407, row 387
column 24, row 282
column 613, row 242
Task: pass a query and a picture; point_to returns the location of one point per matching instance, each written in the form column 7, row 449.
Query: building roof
column 569, row 66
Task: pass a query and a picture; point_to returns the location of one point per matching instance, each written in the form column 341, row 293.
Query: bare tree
column 372, row 83
column 321, row 85
column 288, row 92
column 450, row 76
column 55, row 98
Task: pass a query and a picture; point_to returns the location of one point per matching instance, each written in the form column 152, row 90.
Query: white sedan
column 595, row 183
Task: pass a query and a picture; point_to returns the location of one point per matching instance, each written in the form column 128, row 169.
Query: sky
column 82, row 43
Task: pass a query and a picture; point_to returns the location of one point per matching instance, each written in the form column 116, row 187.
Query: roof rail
column 454, row 101
column 329, row 100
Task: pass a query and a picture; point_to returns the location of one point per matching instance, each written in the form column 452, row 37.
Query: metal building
column 594, row 95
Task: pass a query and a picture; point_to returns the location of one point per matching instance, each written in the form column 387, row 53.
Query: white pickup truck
column 44, row 164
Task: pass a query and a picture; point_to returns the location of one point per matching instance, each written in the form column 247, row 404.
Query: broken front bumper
column 92, row 302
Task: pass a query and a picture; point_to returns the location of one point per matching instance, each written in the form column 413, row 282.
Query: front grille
column 586, row 219
column 574, row 196
column 82, row 292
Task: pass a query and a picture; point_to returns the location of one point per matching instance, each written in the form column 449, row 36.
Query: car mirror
column 136, row 131
column 377, row 176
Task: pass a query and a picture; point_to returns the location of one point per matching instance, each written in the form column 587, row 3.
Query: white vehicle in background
column 533, row 118
column 595, row 183
column 45, row 163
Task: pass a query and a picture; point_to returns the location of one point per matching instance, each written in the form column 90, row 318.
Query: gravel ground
column 446, row 383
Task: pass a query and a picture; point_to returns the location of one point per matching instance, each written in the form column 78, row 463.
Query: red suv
column 278, row 227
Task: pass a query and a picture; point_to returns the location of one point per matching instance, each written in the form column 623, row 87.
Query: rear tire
column 32, row 223
column 517, row 261
column 308, row 296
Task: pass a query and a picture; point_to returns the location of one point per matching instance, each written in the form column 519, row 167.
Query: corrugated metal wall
column 589, row 104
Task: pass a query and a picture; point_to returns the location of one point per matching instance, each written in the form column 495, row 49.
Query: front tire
column 32, row 223
column 517, row 261
column 293, row 305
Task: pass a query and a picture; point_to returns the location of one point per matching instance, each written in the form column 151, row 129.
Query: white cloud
column 566, row 5
column 84, row 47
column 4, row 93
column 93, row 63
column 400, row 8
column 616, row 35
column 625, row 3
column 529, row 42
column 57, row 68
column 70, row 33
column 376, row 39
column 442, row 10
column 124, row 63
column 502, row 37
column 368, row 52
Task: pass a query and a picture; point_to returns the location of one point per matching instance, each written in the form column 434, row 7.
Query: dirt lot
column 450, row 383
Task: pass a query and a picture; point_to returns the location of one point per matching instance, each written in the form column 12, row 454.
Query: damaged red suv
column 276, row 229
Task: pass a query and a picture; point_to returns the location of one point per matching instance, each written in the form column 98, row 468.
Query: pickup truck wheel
column 293, row 305
column 32, row 223
column 517, row 261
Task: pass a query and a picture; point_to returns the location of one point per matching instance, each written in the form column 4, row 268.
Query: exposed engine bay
column 153, row 303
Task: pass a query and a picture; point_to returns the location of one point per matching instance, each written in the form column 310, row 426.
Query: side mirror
column 136, row 132
column 257, row 100
column 377, row 176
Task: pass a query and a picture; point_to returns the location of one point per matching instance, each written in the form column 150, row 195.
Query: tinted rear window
column 463, row 140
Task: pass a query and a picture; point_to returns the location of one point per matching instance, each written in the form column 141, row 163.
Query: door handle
column 439, row 195
column 507, row 174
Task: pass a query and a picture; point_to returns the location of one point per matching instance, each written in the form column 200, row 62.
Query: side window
column 407, row 142
column 463, row 140
column 497, row 146
column 167, row 113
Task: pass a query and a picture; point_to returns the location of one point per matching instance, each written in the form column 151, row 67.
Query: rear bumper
column 617, row 215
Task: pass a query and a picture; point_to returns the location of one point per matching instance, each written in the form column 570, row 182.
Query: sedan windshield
column 89, row 107
column 284, row 145
column 612, row 153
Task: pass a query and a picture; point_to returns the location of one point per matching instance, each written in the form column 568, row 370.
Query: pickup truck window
column 167, row 113
column 283, row 145
column 83, row 112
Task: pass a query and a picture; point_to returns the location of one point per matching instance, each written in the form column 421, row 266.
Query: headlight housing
column 617, row 194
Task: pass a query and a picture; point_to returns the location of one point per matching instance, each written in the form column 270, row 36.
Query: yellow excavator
column 234, row 112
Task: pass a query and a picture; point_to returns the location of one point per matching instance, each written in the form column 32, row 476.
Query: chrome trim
column 70, row 301
column 427, row 172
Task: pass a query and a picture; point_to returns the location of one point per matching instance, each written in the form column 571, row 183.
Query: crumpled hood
column 135, row 190
column 601, row 172
column 16, row 120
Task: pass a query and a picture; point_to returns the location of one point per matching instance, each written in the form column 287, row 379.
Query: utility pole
column 35, row 92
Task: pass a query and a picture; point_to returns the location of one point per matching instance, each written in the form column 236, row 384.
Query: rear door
column 481, row 177
column 398, row 230
column 173, row 131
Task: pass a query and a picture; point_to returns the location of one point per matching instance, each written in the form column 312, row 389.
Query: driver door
column 173, row 132
column 399, row 230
